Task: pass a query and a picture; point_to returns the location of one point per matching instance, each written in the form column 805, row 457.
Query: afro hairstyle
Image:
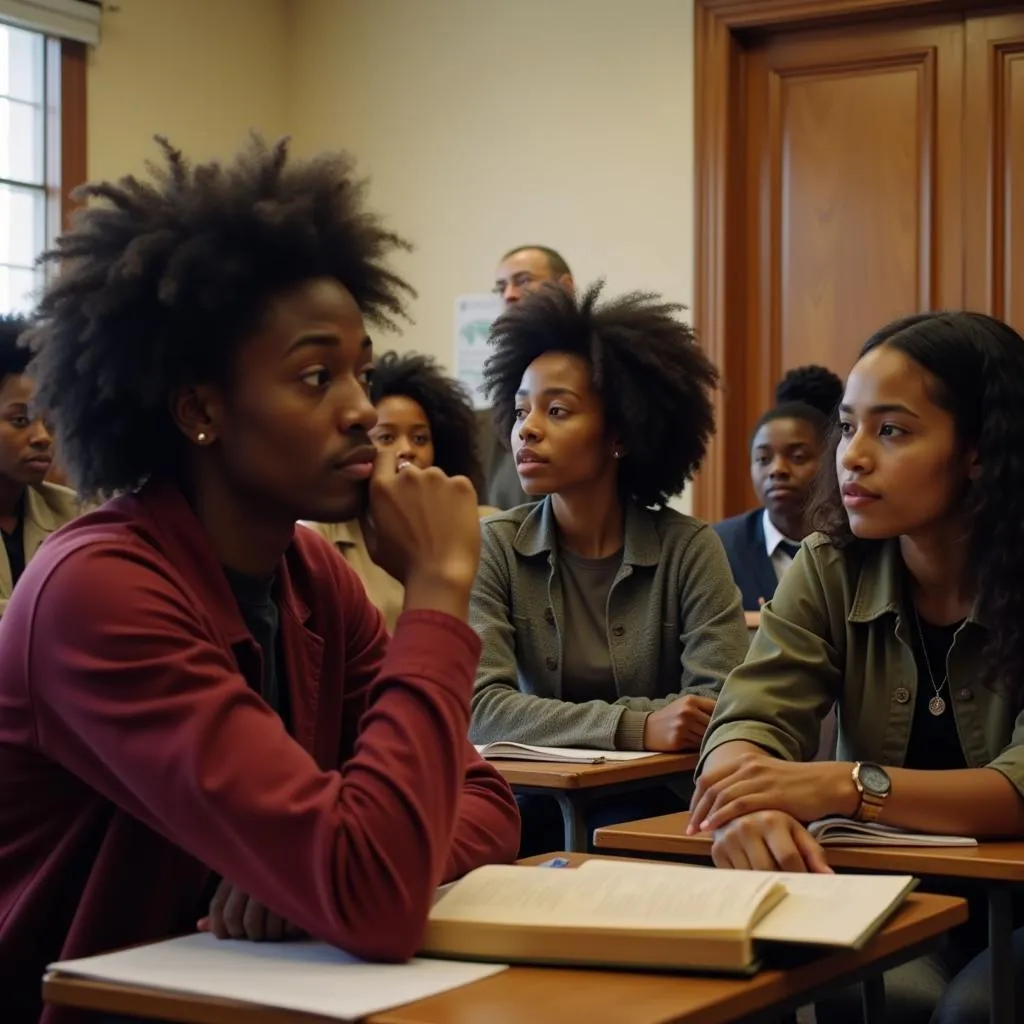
column 14, row 358
column 808, row 393
column 162, row 281
column 446, row 402
column 811, row 385
column 654, row 382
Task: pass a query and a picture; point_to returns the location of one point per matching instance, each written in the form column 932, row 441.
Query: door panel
column 994, row 171
column 853, row 199
column 858, row 193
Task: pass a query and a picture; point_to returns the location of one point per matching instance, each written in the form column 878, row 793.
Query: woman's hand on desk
column 235, row 915
column 678, row 726
column 768, row 841
column 755, row 782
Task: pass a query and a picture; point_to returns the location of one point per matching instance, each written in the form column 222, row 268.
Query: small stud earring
column 201, row 437
column 618, row 453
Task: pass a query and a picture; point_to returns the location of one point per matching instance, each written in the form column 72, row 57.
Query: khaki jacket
column 383, row 590
column 839, row 631
column 47, row 508
column 674, row 627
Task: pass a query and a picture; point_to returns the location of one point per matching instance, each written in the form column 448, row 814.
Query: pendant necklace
column 937, row 705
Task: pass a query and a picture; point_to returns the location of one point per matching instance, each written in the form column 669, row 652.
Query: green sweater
column 839, row 632
column 674, row 626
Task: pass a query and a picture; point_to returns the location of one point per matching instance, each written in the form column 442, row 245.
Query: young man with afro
column 608, row 620
column 203, row 715
column 423, row 419
column 30, row 508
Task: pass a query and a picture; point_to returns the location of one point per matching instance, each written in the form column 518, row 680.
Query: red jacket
column 135, row 760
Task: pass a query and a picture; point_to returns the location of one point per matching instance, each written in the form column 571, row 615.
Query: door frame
column 720, row 314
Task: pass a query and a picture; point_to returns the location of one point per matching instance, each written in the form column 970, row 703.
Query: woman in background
column 907, row 613
column 424, row 419
column 30, row 507
column 608, row 620
column 786, row 449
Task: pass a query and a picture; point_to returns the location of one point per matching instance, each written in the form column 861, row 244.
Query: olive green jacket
column 674, row 626
column 839, row 631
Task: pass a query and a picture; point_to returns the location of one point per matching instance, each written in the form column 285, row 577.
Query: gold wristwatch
column 874, row 785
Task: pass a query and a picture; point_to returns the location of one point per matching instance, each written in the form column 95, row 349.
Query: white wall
column 486, row 124
column 201, row 72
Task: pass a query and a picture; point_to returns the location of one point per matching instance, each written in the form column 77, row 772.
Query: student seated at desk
column 202, row 716
column 606, row 622
column 907, row 612
column 424, row 419
column 785, row 450
column 30, row 508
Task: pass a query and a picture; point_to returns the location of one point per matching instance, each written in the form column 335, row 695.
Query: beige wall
column 486, row 124
column 482, row 124
column 202, row 72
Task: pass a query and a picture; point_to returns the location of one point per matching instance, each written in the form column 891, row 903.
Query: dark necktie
column 789, row 548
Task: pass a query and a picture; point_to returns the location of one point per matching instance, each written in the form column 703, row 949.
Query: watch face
column 874, row 780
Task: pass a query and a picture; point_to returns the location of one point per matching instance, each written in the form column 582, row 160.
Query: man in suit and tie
column 785, row 451
column 520, row 271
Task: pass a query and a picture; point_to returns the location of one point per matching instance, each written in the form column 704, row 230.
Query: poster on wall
column 474, row 315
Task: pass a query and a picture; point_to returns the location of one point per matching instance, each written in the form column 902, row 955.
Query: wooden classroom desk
column 574, row 786
column 996, row 866
column 753, row 620
column 534, row 995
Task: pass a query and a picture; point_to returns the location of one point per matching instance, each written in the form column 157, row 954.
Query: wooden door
column 853, row 194
column 994, row 166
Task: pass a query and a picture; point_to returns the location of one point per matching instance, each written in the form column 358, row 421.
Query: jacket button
column 552, row 663
column 549, row 615
column 966, row 693
column 619, row 630
column 902, row 695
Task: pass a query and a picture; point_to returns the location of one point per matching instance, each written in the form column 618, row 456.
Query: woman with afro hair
column 203, row 715
column 608, row 620
column 786, row 448
column 905, row 613
column 423, row 419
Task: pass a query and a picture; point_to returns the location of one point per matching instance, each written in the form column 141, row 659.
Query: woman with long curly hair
column 424, row 419
column 608, row 620
column 203, row 717
column 906, row 612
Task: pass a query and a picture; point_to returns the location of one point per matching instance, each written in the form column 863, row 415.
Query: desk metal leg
column 575, row 823
column 1000, row 951
column 872, row 995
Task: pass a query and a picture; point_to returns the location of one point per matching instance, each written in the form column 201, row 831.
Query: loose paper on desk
column 308, row 977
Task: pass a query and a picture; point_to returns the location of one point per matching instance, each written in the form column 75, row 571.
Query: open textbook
column 847, row 832
column 661, row 916
column 506, row 750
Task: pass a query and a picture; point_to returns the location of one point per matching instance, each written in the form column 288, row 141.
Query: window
column 29, row 188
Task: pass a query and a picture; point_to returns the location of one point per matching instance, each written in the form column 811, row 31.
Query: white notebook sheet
column 308, row 977
column 507, row 750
